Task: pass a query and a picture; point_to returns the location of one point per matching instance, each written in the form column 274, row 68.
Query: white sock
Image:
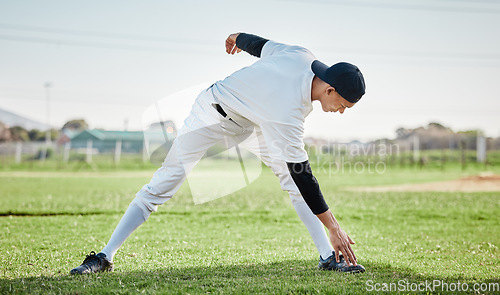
column 136, row 214
column 315, row 228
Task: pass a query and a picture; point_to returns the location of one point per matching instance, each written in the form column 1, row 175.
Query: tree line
column 19, row 133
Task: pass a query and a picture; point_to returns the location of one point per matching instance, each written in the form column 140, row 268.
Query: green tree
column 469, row 137
column 19, row 133
column 36, row 135
column 4, row 132
column 76, row 125
column 54, row 134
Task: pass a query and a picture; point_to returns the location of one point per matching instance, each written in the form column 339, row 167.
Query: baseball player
column 262, row 108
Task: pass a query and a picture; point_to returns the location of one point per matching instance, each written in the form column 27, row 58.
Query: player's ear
column 329, row 89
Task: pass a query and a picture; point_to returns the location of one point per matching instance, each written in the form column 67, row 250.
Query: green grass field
column 248, row 242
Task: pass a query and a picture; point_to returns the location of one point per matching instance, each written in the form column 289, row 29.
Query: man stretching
column 262, row 108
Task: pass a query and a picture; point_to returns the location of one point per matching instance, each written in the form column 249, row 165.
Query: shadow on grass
column 289, row 276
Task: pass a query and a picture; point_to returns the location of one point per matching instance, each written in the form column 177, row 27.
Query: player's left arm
column 308, row 186
column 252, row 44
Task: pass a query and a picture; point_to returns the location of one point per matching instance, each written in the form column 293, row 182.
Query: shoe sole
column 75, row 272
column 349, row 269
column 355, row 269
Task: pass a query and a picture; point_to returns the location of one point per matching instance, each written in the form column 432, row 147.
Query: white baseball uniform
column 266, row 104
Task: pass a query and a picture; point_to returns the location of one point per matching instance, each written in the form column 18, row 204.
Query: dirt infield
column 484, row 182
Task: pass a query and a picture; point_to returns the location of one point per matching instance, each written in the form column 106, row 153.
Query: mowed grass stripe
column 39, row 193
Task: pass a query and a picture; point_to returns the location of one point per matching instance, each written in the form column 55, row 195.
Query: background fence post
column 67, row 148
column 416, row 149
column 145, row 150
column 118, row 151
column 481, row 149
column 89, row 151
column 19, row 151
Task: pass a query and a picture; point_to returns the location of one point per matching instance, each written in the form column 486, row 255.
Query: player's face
column 334, row 102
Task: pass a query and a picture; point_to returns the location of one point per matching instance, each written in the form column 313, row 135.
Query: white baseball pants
column 203, row 128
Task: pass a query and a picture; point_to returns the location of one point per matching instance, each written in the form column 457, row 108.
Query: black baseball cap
column 346, row 78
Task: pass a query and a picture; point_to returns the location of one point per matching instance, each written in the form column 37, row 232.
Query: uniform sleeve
column 308, row 186
column 250, row 43
column 272, row 48
column 260, row 47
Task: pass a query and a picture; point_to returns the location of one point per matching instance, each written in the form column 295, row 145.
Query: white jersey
column 275, row 94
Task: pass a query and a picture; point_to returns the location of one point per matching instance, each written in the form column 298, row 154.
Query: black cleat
column 93, row 263
column 331, row 264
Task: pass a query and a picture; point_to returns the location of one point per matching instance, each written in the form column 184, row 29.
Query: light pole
column 44, row 153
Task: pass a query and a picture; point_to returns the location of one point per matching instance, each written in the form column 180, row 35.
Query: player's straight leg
column 201, row 129
column 256, row 144
column 185, row 152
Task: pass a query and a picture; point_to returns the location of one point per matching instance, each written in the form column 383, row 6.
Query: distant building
column 106, row 141
column 66, row 135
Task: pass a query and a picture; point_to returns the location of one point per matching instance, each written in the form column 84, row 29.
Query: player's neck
column 316, row 88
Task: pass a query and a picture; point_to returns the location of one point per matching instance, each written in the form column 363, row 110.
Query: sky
column 108, row 62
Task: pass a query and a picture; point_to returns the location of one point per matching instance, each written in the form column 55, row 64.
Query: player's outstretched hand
column 339, row 239
column 231, row 44
column 341, row 242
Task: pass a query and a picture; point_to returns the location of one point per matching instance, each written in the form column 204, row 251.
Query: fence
column 21, row 152
column 389, row 153
column 406, row 154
